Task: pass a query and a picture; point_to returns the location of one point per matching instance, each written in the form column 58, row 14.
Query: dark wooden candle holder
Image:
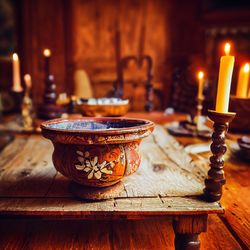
column 49, row 109
column 199, row 106
column 216, row 178
column 192, row 129
column 17, row 98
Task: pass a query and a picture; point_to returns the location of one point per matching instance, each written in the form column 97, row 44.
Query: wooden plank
column 151, row 234
column 11, row 150
column 29, row 170
column 218, row 237
column 130, row 207
column 236, row 200
column 166, row 170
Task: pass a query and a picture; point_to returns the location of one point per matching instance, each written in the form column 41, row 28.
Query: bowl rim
column 102, row 104
column 147, row 125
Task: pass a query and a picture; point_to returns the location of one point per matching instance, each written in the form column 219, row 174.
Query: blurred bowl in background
column 102, row 107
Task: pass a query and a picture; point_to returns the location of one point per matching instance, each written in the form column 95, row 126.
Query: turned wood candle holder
column 194, row 128
column 49, row 109
column 17, row 98
column 216, row 178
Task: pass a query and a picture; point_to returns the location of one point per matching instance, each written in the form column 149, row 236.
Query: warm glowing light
column 227, row 48
column 15, row 57
column 200, row 75
column 246, row 67
column 27, row 77
column 47, row 53
column 27, row 80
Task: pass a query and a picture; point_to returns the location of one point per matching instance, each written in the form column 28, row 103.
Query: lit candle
column 17, row 87
column 242, row 85
column 27, row 80
column 224, row 82
column 47, row 54
column 200, row 86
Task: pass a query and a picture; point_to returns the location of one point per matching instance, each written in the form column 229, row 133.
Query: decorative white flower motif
column 91, row 166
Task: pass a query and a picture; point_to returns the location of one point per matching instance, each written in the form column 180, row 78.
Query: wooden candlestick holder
column 216, row 178
column 18, row 98
column 192, row 128
column 199, row 109
column 49, row 109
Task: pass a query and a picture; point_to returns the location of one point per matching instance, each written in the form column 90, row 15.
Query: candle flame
column 227, row 48
column 47, row 53
column 15, row 57
column 27, row 80
column 246, row 67
column 200, row 75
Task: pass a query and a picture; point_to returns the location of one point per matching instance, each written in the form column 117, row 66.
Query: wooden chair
column 119, row 83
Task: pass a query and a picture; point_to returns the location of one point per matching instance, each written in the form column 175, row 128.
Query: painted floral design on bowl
column 99, row 151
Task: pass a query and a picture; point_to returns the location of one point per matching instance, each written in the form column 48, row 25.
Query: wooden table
column 24, row 196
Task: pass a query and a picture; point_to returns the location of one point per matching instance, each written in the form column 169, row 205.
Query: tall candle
column 17, row 87
column 243, row 79
column 200, row 86
column 224, row 82
column 46, row 54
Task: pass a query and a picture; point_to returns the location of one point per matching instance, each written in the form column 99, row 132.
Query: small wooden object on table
column 194, row 128
column 49, row 109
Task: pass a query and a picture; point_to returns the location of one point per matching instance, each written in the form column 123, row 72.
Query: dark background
column 80, row 33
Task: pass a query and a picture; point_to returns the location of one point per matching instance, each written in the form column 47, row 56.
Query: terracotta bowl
column 103, row 109
column 96, row 152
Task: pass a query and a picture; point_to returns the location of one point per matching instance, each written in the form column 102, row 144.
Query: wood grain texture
column 41, row 28
column 130, row 208
column 29, row 180
column 166, row 171
column 232, row 232
column 148, row 235
column 236, row 200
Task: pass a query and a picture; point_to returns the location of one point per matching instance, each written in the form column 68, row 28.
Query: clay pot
column 96, row 152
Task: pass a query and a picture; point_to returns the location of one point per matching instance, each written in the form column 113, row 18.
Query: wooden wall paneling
column 81, row 34
column 186, row 39
column 94, row 25
column 43, row 27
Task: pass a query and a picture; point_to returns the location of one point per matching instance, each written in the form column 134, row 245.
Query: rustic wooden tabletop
column 31, row 187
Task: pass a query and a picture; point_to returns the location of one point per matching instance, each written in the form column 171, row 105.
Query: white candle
column 242, row 85
column 17, row 87
column 200, row 86
column 224, row 82
column 27, row 80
